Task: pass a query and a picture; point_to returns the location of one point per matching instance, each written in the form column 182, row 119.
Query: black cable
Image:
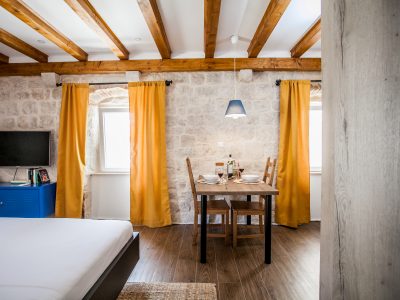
column 15, row 174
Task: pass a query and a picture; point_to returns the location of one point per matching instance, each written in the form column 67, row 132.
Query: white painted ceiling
column 183, row 22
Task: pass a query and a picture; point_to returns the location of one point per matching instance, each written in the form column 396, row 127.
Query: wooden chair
column 214, row 207
column 244, row 208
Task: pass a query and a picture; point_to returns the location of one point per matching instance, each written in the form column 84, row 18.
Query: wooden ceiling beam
column 92, row 18
column 308, row 40
column 22, row 47
column 211, row 19
column 4, row 59
column 163, row 65
column 31, row 18
column 153, row 19
column 271, row 17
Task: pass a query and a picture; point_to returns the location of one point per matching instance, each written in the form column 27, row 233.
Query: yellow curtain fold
column 71, row 150
column 292, row 206
column 148, row 179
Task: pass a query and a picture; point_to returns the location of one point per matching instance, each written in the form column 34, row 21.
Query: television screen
column 24, row 148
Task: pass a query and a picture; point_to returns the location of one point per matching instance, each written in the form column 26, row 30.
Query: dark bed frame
column 111, row 282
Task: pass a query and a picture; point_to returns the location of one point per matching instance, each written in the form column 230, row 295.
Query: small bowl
column 250, row 178
column 211, row 178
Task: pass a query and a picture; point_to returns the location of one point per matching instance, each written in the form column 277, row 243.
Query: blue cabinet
column 37, row 201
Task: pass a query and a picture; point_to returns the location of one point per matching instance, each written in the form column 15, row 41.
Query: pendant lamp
column 235, row 109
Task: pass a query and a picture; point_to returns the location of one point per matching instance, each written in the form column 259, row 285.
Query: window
column 315, row 136
column 115, row 143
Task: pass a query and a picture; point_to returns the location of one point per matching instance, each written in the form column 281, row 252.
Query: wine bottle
column 229, row 166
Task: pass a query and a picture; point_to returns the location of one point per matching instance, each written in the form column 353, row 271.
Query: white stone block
column 50, row 79
column 132, row 76
column 246, row 75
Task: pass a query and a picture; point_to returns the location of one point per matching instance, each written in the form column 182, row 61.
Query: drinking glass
column 219, row 170
column 241, row 169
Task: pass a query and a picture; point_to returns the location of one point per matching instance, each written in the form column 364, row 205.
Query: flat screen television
column 24, row 148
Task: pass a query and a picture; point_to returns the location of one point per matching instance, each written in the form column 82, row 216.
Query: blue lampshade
column 235, row 109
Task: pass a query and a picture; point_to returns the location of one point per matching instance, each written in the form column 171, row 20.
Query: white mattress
column 56, row 258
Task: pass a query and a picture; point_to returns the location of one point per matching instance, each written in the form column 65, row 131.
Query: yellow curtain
column 149, row 182
column 71, row 150
column 292, row 206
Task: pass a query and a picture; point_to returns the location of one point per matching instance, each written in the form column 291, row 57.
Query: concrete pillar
column 360, row 230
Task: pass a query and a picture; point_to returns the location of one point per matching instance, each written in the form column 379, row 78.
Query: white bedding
column 56, row 258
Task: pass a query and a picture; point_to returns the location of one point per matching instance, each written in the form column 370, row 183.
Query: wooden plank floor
column 167, row 255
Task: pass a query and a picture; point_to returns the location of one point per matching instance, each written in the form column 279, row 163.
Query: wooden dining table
column 236, row 189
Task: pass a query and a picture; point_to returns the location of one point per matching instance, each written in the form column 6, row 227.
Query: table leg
column 248, row 217
column 203, row 230
column 267, row 229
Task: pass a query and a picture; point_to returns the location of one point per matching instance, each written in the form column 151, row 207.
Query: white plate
column 206, row 182
column 240, row 181
column 250, row 178
column 210, row 178
column 211, row 181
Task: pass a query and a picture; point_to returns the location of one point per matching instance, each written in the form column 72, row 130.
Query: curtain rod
column 167, row 83
column 278, row 82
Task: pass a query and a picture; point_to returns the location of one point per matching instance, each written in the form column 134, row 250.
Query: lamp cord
column 15, row 174
column 234, row 75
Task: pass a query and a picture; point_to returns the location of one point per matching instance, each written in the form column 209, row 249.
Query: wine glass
column 241, row 169
column 219, row 170
column 220, row 174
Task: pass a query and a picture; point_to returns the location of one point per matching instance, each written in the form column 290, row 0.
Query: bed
column 65, row 258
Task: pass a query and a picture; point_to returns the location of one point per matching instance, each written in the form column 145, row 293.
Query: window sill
column 110, row 173
column 316, row 172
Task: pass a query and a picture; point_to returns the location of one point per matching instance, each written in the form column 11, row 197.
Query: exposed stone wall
column 27, row 104
column 196, row 127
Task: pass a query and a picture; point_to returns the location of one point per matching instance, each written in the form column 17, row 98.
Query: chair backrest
column 269, row 171
column 191, row 178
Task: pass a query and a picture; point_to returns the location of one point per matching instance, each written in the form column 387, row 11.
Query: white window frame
column 316, row 105
column 102, row 110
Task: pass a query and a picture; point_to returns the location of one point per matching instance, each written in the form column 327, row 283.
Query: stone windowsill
column 110, row 173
